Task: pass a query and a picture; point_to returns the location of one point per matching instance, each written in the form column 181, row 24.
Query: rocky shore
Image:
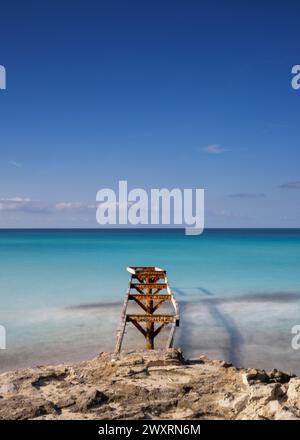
column 155, row 384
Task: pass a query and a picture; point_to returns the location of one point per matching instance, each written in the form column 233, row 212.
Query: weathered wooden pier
column 148, row 287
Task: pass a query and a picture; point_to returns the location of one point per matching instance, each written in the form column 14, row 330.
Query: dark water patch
column 273, row 297
column 179, row 292
column 185, row 291
column 258, row 297
column 95, row 305
column 205, row 291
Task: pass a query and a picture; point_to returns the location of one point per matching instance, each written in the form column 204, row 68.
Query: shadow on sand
column 232, row 352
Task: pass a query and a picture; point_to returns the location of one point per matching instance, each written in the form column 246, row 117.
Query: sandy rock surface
column 155, row 384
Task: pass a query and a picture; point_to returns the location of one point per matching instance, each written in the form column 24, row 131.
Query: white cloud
column 14, row 203
column 64, row 206
column 24, row 204
column 226, row 213
column 213, row 149
column 248, row 196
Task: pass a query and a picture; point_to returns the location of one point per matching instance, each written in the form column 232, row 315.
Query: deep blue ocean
column 61, row 292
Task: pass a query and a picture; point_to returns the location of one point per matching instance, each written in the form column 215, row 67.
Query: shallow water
column 61, row 292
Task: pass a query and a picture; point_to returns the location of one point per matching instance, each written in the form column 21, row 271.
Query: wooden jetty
column 148, row 287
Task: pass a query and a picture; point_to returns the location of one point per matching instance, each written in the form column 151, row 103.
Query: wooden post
column 149, row 325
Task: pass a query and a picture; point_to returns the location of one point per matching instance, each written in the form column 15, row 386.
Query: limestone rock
column 155, row 384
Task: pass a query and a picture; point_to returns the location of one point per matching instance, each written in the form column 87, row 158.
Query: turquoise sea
column 61, row 292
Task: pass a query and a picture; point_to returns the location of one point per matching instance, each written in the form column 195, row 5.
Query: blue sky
column 162, row 94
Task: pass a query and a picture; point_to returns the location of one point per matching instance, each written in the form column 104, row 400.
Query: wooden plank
column 151, row 318
column 158, row 286
column 150, row 273
column 139, row 269
column 154, row 297
column 121, row 331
